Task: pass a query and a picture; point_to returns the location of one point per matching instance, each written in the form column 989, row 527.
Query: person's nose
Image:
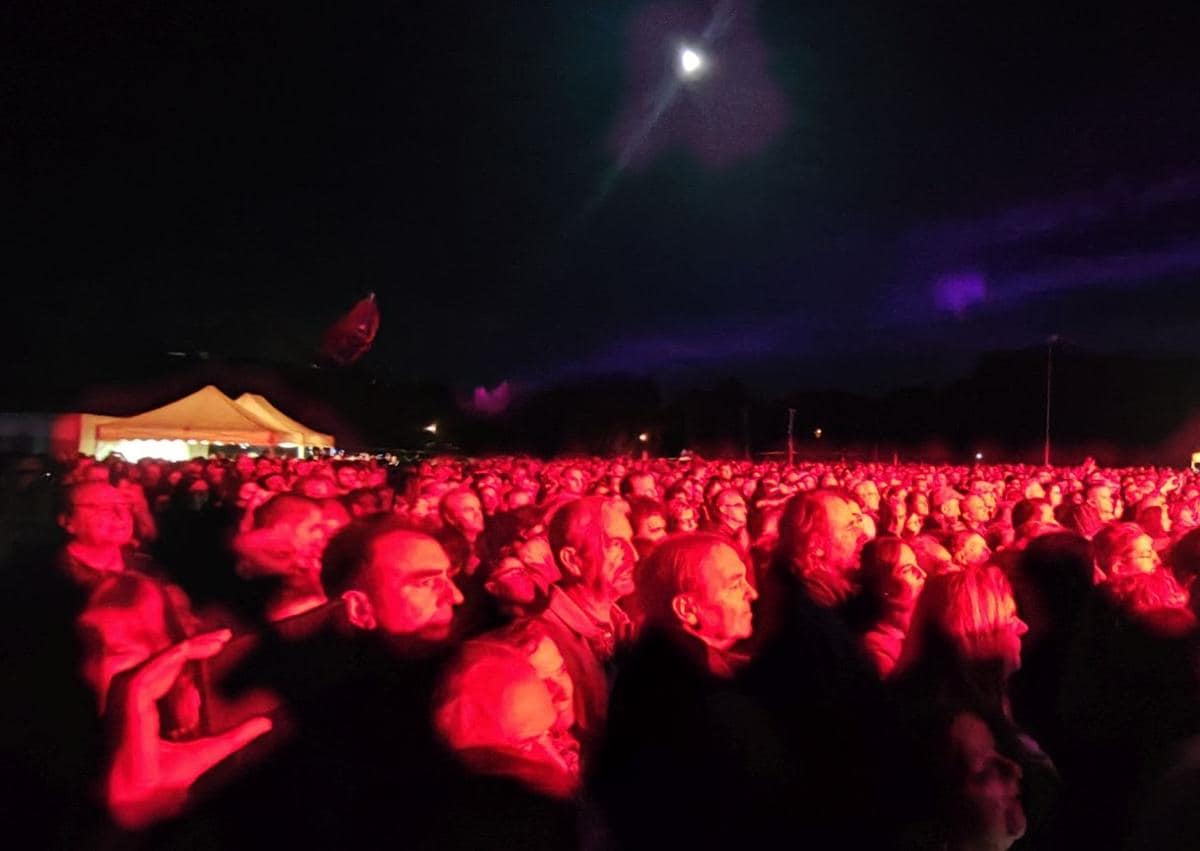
column 456, row 596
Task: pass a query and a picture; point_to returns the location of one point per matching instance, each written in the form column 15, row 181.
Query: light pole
column 1049, row 372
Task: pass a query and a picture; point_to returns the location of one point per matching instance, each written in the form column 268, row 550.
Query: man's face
column 548, row 662
column 465, row 513
column 868, row 496
column 846, row 534
column 410, row 588
column 610, row 571
column 731, row 508
column 976, row 509
column 643, row 486
column 652, row 528
column 974, row 551
column 687, row 520
column 309, row 538
column 1101, row 499
column 100, row 515
column 723, row 600
column 244, row 466
column 573, row 481
column 347, row 478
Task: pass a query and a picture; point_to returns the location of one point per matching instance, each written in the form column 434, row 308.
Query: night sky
column 852, row 195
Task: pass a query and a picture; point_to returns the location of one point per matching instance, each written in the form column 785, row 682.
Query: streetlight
column 818, row 433
column 644, row 437
column 431, row 428
column 978, row 456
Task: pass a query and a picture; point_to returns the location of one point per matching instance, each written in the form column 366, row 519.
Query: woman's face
column 1140, row 558
column 988, row 791
column 908, row 575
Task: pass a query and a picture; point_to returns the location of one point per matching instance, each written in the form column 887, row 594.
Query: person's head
column 975, row 510
column 974, row 610
column 492, row 702
column 681, row 517
column 517, row 566
column 316, row 487
column 867, row 494
column 96, row 514
column 124, row 623
column 530, row 637
column 918, row 502
column 1154, row 599
column 592, row 541
column 892, row 516
column 728, row 510
column 1100, row 497
column 890, row 573
column 1124, row 548
column 1052, row 581
column 982, row 788
column 244, row 466
column 821, row 535
column 640, row 484
column 573, row 480
column 289, row 535
column 969, row 549
column 648, row 519
column 461, row 510
column 348, row 477
column 697, row 583
column 392, row 579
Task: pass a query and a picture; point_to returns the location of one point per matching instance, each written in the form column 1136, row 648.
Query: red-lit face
column 548, row 662
column 652, row 528
column 347, row 478
column 318, row 488
column 1101, row 499
column 1140, row 558
column 100, row 516
column 722, row 604
column 731, row 508
column 973, row 551
column 991, row 815
column 410, row 588
column 573, row 481
column 868, row 496
column 687, row 519
column 908, row 575
column 643, row 486
column 975, row 509
column 846, row 534
column 513, row 582
column 465, row 513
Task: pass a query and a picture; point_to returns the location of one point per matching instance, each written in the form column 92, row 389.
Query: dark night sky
column 857, row 194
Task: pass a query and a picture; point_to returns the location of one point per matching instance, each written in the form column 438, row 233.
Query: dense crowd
column 600, row 653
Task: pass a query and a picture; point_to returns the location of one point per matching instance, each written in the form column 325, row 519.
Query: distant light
column 978, row 456
column 817, row 433
column 431, row 428
column 644, row 437
column 691, row 63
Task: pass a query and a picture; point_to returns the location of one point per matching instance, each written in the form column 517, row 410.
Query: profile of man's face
column 409, row 586
column 465, row 512
column 1101, row 499
column 613, row 575
column 723, row 600
column 846, row 534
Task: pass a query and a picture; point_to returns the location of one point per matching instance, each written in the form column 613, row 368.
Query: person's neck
column 106, row 557
column 597, row 608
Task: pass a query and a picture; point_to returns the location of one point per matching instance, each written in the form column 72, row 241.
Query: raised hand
column 149, row 776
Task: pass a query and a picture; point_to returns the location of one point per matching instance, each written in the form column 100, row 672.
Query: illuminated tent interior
column 188, row 427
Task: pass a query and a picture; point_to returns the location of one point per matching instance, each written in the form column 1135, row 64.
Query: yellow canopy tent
column 268, row 413
column 206, row 416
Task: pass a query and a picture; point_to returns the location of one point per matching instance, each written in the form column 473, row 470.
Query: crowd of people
column 601, row 653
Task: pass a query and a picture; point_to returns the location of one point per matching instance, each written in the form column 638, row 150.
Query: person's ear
column 685, row 610
column 359, row 611
column 572, row 564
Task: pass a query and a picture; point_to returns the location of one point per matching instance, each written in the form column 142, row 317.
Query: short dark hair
column 349, row 552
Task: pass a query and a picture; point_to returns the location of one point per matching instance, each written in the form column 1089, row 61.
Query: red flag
column 351, row 337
